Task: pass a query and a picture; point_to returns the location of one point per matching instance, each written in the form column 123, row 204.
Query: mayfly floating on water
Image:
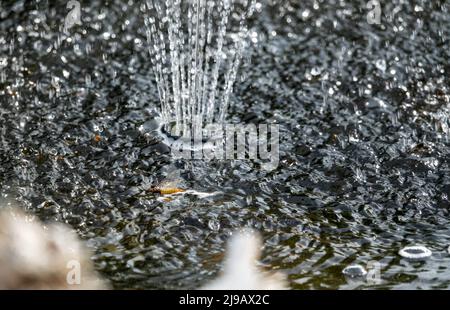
column 169, row 185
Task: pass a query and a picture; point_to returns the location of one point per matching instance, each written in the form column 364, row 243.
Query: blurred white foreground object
column 240, row 271
column 34, row 257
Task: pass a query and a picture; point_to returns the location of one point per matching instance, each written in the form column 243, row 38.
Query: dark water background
column 364, row 151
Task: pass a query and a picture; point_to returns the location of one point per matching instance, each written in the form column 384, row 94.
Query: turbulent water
column 364, row 123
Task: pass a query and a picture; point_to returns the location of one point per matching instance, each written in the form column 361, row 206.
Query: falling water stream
column 363, row 110
column 190, row 51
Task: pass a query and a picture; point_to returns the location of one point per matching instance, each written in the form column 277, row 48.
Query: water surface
column 364, row 152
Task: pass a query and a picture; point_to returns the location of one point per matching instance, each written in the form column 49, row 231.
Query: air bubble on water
column 354, row 271
column 415, row 252
column 88, row 80
column 254, row 37
column 138, row 42
column 316, row 5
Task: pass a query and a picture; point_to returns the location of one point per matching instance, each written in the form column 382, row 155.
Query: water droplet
column 315, row 71
column 305, row 14
column 3, row 62
column 214, row 225
column 381, row 65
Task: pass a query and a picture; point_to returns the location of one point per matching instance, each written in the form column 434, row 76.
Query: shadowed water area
column 364, row 124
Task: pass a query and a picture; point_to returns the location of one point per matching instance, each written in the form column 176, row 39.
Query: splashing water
column 194, row 58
